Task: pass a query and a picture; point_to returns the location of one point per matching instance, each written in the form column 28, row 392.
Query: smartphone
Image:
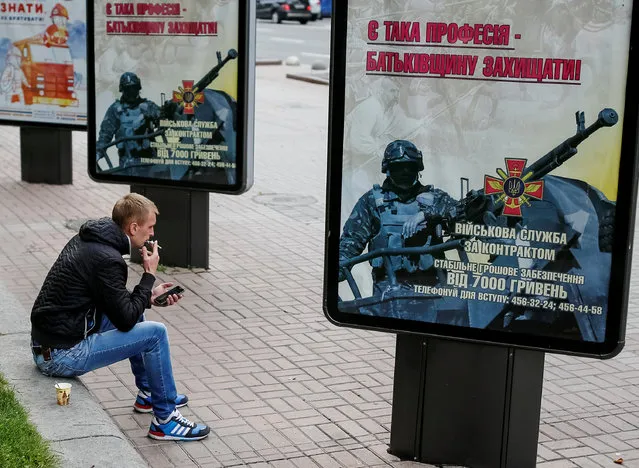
column 161, row 299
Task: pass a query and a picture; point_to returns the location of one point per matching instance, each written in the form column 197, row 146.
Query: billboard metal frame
column 621, row 253
column 245, row 113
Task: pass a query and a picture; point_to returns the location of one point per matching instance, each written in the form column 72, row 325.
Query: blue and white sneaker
column 177, row 427
column 143, row 402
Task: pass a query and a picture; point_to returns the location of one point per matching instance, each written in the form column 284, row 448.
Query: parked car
column 283, row 10
column 316, row 9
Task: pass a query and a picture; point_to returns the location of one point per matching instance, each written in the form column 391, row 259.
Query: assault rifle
column 215, row 71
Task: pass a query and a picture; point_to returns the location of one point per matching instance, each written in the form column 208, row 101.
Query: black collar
column 404, row 195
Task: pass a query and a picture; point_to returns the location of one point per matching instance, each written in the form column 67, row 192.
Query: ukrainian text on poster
column 481, row 37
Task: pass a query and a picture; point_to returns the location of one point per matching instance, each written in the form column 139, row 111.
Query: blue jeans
column 147, row 347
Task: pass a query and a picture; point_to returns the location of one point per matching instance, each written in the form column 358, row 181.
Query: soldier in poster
column 400, row 213
column 132, row 120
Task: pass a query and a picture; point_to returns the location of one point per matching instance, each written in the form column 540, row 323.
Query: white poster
column 43, row 62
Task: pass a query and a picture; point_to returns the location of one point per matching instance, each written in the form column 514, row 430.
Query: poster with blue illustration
column 43, row 62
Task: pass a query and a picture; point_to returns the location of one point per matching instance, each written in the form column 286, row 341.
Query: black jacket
column 87, row 280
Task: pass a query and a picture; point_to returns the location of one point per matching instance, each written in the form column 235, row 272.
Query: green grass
column 20, row 444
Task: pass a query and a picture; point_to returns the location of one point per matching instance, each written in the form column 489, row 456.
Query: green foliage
column 21, row 446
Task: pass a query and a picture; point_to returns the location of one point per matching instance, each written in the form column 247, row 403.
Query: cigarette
column 150, row 245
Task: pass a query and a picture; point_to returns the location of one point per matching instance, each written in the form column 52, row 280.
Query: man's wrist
column 148, row 280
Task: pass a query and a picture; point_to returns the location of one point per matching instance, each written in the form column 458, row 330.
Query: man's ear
column 131, row 228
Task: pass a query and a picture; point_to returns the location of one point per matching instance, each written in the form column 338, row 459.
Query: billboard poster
column 43, row 63
column 478, row 170
column 170, row 94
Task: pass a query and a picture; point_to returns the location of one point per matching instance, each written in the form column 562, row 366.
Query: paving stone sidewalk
column 279, row 385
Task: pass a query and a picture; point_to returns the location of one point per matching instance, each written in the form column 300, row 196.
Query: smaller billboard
column 43, row 63
column 171, row 93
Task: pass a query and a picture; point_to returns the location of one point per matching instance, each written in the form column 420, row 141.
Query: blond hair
column 132, row 208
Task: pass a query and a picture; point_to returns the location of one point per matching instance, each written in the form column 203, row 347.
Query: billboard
column 481, row 171
column 43, row 63
column 171, row 93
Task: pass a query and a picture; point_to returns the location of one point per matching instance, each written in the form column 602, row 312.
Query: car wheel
column 303, row 21
column 275, row 17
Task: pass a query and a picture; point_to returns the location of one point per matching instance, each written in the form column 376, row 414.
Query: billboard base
column 46, row 155
column 182, row 228
column 465, row 404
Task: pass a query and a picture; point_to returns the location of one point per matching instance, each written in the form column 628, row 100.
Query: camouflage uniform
column 377, row 221
column 365, row 222
column 128, row 117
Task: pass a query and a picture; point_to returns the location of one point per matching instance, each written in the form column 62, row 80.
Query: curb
column 81, row 434
column 308, row 78
column 259, row 62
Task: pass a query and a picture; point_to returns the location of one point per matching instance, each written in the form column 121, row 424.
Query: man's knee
column 156, row 329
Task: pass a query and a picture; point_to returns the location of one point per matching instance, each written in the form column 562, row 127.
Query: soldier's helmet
column 401, row 151
column 129, row 79
column 59, row 10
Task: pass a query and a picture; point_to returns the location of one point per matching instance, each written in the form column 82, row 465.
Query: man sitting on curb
column 84, row 318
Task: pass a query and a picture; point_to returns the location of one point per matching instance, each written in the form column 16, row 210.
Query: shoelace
column 182, row 420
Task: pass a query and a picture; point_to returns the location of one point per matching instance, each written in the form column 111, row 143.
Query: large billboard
column 481, row 170
column 171, row 86
column 43, row 63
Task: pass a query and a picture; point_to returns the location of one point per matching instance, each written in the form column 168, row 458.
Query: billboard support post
column 465, row 404
column 46, row 155
column 182, row 228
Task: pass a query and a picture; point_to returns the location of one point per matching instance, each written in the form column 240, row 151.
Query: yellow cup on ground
column 63, row 392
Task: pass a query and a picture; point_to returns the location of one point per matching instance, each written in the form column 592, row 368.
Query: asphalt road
column 309, row 42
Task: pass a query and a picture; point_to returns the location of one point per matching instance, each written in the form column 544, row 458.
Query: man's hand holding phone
column 166, row 295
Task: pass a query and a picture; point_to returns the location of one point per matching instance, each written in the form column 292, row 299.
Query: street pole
column 466, row 404
column 46, row 155
column 182, row 228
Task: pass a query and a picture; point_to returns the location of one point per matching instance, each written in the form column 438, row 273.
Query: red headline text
column 158, row 28
column 143, row 9
column 21, row 8
column 445, row 65
column 436, row 33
